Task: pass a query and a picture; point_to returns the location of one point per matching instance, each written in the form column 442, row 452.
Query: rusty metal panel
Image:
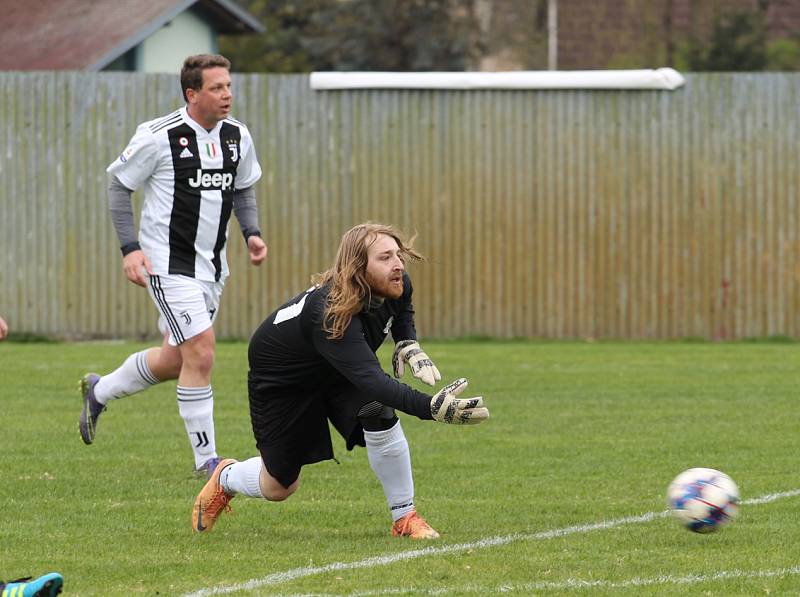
column 559, row 214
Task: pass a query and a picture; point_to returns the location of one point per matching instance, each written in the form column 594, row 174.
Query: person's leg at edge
column 47, row 585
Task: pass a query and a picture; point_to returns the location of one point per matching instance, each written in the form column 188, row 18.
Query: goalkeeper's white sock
column 243, row 477
column 196, row 406
column 129, row 378
column 390, row 459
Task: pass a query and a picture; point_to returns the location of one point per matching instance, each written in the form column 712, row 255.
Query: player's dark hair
column 349, row 289
column 193, row 67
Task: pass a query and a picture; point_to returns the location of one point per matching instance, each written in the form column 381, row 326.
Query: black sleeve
column 244, row 206
column 353, row 358
column 119, row 202
column 403, row 325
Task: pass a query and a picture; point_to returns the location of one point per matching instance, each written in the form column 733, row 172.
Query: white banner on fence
column 662, row 78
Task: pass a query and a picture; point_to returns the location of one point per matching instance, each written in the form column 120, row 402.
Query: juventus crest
column 233, row 147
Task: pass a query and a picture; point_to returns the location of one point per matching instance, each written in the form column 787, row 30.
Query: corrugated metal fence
column 606, row 214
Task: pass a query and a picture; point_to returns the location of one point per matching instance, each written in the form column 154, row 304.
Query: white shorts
column 187, row 306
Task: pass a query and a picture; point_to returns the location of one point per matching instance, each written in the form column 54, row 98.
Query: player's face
column 212, row 102
column 385, row 268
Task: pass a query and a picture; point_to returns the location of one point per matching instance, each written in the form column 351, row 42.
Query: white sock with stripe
column 196, row 406
column 243, row 477
column 129, row 378
column 390, row 459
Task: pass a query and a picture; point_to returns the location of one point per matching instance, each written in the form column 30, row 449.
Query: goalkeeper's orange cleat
column 211, row 501
column 414, row 526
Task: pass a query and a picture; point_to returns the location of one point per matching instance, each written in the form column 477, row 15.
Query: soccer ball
column 703, row 499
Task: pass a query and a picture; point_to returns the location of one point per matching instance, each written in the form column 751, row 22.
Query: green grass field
column 535, row 501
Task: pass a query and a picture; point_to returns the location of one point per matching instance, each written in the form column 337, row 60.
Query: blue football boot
column 48, row 585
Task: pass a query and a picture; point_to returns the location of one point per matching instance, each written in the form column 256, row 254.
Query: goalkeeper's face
column 385, row 267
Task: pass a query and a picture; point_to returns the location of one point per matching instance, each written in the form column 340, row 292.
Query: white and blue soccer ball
column 703, row 499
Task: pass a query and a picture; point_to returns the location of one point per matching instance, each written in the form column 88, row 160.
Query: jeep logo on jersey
column 211, row 180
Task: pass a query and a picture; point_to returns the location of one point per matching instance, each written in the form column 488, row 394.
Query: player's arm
column 248, row 174
column 407, row 349
column 354, row 359
column 246, row 211
column 128, row 172
column 120, row 205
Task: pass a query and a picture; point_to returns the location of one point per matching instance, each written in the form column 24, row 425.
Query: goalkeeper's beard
column 387, row 287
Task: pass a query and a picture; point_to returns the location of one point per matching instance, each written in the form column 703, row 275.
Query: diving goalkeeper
column 313, row 360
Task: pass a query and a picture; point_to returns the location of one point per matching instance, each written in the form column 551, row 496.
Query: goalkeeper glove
column 446, row 408
column 408, row 351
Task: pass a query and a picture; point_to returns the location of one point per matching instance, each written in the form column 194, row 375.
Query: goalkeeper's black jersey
column 291, row 354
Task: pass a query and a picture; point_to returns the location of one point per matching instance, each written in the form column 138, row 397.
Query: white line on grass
column 690, row 579
column 295, row 573
column 570, row 583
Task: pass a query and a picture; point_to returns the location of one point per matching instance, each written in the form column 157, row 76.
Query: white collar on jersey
column 199, row 128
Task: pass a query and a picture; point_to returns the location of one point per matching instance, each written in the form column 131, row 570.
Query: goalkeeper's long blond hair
column 349, row 290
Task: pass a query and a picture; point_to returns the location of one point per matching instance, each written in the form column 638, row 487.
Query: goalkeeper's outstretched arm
column 358, row 364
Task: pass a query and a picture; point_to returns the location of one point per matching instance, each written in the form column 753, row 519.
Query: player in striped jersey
column 197, row 165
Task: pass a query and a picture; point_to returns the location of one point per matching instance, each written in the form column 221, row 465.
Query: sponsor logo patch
column 123, row 157
column 211, row 180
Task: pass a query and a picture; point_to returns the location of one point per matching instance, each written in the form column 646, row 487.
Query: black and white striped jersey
column 189, row 176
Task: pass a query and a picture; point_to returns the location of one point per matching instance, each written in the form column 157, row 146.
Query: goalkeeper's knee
column 375, row 416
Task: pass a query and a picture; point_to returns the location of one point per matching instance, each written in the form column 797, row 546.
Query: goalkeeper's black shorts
column 291, row 430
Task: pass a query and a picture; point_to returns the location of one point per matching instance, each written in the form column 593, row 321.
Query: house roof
column 90, row 34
